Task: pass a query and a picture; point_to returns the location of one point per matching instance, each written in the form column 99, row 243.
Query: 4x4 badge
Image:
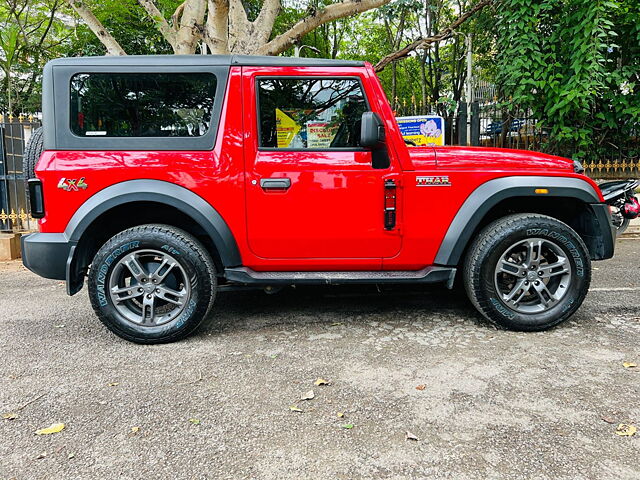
column 71, row 184
column 435, row 181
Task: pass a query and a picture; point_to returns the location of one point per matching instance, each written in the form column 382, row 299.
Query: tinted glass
column 310, row 113
column 142, row 104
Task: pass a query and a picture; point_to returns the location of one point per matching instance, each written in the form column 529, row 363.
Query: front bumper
column 47, row 254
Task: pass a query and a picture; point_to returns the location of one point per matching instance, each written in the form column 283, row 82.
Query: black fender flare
column 162, row 192
column 490, row 193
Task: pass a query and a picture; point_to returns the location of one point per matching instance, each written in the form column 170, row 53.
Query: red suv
column 165, row 179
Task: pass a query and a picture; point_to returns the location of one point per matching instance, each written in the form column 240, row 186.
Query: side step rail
column 247, row 276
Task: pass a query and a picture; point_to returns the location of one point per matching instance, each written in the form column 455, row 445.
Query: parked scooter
column 620, row 196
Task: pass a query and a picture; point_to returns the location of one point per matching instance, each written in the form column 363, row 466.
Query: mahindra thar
column 165, row 179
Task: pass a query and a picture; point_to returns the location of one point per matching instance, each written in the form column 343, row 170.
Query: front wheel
column 527, row 272
column 152, row 284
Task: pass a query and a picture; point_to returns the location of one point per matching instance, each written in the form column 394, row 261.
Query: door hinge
column 390, row 191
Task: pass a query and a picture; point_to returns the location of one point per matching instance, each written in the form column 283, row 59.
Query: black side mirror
column 372, row 131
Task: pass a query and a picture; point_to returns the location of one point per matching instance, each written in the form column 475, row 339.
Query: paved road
column 495, row 404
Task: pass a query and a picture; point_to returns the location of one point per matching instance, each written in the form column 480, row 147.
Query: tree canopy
column 574, row 64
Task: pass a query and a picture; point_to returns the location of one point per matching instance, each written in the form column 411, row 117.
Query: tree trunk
column 217, row 27
column 423, row 79
column 9, row 101
column 112, row 46
column 191, row 25
column 332, row 12
column 227, row 28
column 162, row 25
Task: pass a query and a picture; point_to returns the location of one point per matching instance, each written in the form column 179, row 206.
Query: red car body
column 164, row 179
column 331, row 217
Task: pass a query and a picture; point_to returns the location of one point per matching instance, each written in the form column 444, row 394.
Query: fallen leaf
column 71, row 455
column 60, row 326
column 135, row 429
column 321, row 381
column 411, row 436
column 294, row 408
column 625, row 430
column 308, row 396
column 335, row 324
column 348, row 426
column 421, row 387
column 42, row 455
column 274, row 356
column 629, row 365
column 195, row 421
column 55, row 428
column 113, row 384
column 340, row 415
column 10, row 416
column 608, row 419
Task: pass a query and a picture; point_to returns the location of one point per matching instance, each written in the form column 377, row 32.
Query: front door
column 312, row 192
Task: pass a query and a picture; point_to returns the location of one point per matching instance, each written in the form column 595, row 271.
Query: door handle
column 275, row 183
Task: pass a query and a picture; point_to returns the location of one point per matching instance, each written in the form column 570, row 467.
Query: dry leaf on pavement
column 135, row 429
column 625, row 430
column 308, row 396
column 321, row 381
column 294, row 408
column 421, row 387
column 410, row 436
column 10, row 416
column 195, row 421
column 348, row 426
column 55, row 428
column 629, row 365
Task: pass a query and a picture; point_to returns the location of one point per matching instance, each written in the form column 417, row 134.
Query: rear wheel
column 152, row 284
column 527, row 272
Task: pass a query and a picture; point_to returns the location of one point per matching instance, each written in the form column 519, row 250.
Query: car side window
column 310, row 113
column 142, row 104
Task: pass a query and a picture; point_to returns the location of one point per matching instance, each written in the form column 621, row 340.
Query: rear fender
column 156, row 191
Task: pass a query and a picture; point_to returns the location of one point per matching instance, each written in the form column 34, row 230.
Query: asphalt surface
column 495, row 404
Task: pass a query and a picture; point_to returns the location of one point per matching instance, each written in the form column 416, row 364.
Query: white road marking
column 615, row 289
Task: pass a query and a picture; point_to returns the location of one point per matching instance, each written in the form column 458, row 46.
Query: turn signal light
column 541, row 191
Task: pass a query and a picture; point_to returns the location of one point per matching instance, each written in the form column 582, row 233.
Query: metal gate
column 14, row 207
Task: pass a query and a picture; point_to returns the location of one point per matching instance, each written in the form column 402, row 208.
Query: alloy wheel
column 532, row 275
column 149, row 288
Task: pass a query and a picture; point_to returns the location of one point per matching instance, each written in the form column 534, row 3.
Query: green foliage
column 127, row 21
column 30, row 34
column 575, row 64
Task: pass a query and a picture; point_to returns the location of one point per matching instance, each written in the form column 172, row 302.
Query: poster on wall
column 422, row 129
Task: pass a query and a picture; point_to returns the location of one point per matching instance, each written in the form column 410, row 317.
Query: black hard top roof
column 193, row 60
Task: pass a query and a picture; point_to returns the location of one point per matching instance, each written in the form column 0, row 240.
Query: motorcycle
column 620, row 196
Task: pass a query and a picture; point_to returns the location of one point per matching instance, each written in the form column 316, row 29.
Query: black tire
column 506, row 241
column 184, row 289
column 623, row 227
column 32, row 151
